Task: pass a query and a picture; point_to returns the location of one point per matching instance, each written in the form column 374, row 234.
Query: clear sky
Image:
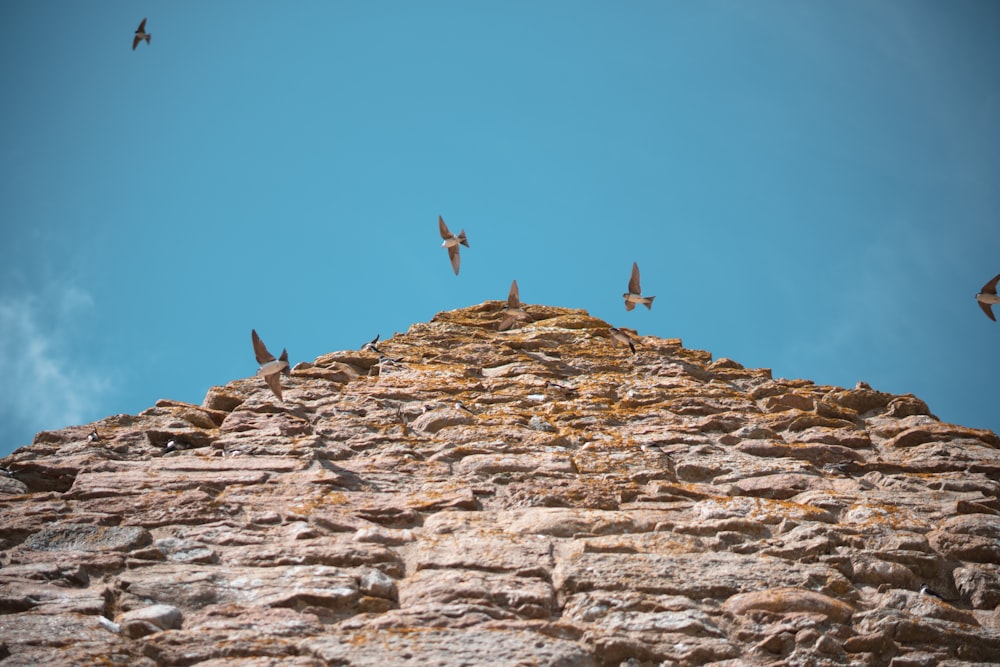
column 812, row 187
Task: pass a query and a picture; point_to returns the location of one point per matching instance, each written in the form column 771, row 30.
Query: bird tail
column 649, row 302
column 461, row 238
column 147, row 38
column 284, row 357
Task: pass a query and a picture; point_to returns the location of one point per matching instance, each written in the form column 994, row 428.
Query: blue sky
column 806, row 186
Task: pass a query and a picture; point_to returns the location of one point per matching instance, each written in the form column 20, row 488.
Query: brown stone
column 790, row 601
column 536, row 496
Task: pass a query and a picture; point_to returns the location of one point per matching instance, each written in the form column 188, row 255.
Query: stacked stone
column 535, row 496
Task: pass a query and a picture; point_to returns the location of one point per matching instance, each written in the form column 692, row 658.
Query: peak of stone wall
column 539, row 496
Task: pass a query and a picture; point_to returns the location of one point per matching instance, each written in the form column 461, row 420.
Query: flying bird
column 140, row 34
column 270, row 367
column 513, row 311
column 988, row 296
column 634, row 294
column 451, row 243
column 619, row 337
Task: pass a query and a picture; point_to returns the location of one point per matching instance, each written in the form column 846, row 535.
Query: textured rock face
column 533, row 497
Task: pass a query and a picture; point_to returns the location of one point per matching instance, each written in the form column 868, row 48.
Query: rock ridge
column 537, row 496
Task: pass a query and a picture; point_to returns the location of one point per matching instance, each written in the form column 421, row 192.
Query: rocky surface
column 539, row 496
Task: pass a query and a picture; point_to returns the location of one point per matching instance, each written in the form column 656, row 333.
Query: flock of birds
column 271, row 368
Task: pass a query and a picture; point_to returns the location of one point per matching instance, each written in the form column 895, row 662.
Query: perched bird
column 451, row 243
column 926, row 590
column 988, row 296
column 110, row 626
column 634, row 294
column 370, row 345
column 177, row 445
column 513, row 311
column 94, row 436
column 270, row 367
column 385, row 361
column 619, row 337
column 140, row 34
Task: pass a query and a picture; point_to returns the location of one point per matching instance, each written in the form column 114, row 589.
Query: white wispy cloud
column 43, row 386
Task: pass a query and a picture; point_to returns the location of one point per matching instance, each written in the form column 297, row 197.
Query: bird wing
column 988, row 309
column 514, row 297
column 443, row 228
column 506, row 322
column 454, row 257
column 629, row 305
column 142, row 26
column 991, row 286
column 135, row 41
column 259, row 351
column 274, row 382
column 633, row 282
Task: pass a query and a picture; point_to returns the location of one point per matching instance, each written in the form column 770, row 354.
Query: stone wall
column 534, row 497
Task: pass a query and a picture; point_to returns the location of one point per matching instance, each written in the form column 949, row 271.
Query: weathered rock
column 979, row 583
column 85, row 537
column 443, row 646
column 790, row 601
column 537, row 496
column 147, row 620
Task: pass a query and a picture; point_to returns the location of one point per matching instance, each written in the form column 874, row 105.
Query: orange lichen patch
column 869, row 517
column 861, row 400
column 826, row 408
column 194, row 414
column 661, row 489
column 720, row 395
column 765, row 510
column 792, row 400
column 937, row 432
column 803, row 422
column 907, row 405
column 781, row 386
column 574, row 320
column 336, row 373
column 663, row 543
column 487, row 316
